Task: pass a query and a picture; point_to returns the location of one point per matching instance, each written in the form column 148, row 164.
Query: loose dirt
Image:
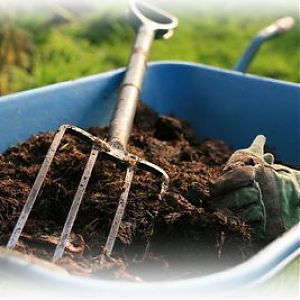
column 177, row 237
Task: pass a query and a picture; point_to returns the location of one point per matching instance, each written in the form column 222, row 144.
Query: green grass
column 285, row 284
column 103, row 43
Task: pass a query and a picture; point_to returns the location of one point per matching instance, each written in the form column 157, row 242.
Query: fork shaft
column 123, row 116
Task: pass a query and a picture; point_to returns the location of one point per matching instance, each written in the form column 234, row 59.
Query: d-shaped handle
column 150, row 23
column 144, row 14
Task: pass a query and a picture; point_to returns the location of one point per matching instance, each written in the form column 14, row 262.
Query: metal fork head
column 98, row 146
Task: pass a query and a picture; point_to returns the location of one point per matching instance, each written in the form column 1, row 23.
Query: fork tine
column 36, row 188
column 119, row 214
column 148, row 166
column 75, row 204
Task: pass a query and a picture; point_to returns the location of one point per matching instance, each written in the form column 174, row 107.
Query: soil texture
column 178, row 236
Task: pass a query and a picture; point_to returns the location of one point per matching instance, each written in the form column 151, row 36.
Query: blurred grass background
column 64, row 42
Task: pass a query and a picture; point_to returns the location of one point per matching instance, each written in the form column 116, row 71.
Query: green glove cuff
column 289, row 197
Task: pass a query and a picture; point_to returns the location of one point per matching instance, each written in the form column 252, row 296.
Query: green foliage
column 104, row 42
column 37, row 27
column 107, row 29
column 285, row 284
column 16, row 51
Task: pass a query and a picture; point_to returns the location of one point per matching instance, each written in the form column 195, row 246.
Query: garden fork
column 150, row 23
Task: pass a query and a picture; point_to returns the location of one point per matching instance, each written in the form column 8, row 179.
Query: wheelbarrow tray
column 219, row 104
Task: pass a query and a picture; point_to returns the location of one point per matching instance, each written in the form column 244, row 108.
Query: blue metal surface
column 26, row 278
column 218, row 103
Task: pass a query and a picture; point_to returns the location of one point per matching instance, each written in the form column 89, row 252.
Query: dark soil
column 176, row 237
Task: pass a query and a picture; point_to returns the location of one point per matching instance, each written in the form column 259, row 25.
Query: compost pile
column 176, row 237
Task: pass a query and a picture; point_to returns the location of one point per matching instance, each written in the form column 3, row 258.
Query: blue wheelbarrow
column 219, row 104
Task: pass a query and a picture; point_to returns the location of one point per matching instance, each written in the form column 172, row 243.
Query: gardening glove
column 264, row 194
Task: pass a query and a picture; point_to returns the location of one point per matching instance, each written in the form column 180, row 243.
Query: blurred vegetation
column 16, row 52
column 62, row 44
column 284, row 284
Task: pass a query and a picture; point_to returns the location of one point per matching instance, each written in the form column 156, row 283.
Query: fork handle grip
column 130, row 89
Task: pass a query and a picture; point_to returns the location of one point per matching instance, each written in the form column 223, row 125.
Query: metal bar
column 119, row 214
column 247, row 57
column 122, row 120
column 75, row 204
column 36, row 188
column 279, row 27
column 150, row 167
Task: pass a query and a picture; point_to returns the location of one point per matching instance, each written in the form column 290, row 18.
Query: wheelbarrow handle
column 277, row 28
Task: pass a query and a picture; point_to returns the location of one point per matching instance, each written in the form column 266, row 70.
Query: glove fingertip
column 257, row 146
